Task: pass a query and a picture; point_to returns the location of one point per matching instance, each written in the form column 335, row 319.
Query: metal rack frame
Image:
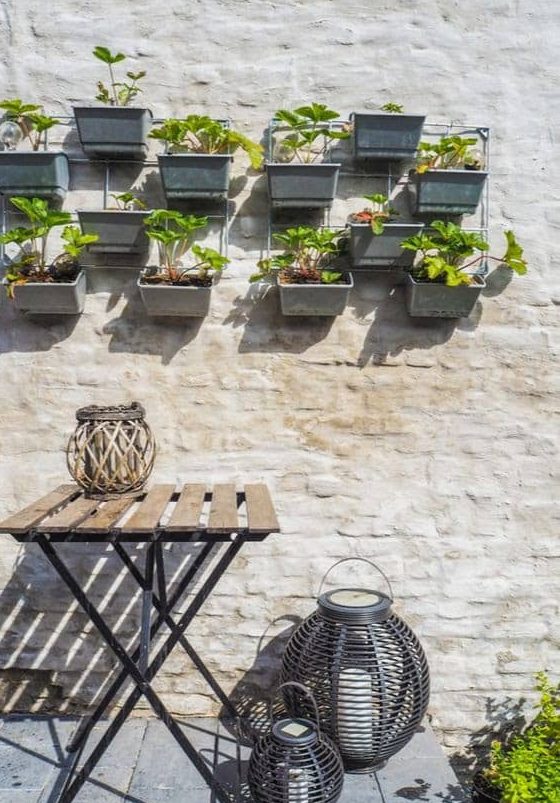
column 106, row 260
column 395, row 172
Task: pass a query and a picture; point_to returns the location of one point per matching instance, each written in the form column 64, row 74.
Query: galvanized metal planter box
column 302, row 185
column 195, row 175
column 315, row 299
column 120, row 231
column 371, row 251
column 34, row 174
column 386, row 136
column 450, row 192
column 434, row 300
column 56, row 298
column 113, row 132
column 175, row 301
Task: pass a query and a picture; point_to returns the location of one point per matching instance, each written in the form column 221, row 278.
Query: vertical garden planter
column 175, row 301
column 113, row 132
column 120, row 231
column 56, row 298
column 386, row 136
column 195, row 175
column 449, row 192
column 434, row 300
column 34, row 174
column 302, row 185
column 371, row 251
column 315, row 299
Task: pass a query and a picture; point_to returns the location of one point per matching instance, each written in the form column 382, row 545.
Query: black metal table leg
column 141, row 679
column 147, row 599
column 164, row 610
column 85, row 728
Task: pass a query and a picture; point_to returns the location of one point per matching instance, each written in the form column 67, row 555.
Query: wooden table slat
column 150, row 511
column 188, row 510
column 107, row 515
column 69, row 517
column 22, row 521
column 223, row 510
column 261, row 516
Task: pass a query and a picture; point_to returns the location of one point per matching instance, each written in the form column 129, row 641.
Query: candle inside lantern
column 298, row 788
column 355, row 712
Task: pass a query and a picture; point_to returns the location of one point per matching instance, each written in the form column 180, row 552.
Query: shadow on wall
column 23, row 333
column 504, row 718
column 252, row 695
column 51, row 657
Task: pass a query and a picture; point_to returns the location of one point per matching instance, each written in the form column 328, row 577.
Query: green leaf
column 513, row 257
column 377, row 199
column 105, row 55
column 393, row 108
column 377, row 225
column 16, row 107
column 330, row 277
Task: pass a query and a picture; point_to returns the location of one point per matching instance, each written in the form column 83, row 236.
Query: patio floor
column 145, row 765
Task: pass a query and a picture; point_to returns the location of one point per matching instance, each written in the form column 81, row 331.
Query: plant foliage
column 307, row 257
column 128, row 201
column 311, row 132
column 29, row 117
column 528, row 770
column 174, row 234
column 31, row 263
column 445, row 248
column 393, row 108
column 119, row 93
column 200, row 134
column 450, row 152
column 377, row 214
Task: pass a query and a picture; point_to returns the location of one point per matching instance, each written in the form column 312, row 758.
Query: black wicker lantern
column 366, row 670
column 112, row 450
column 295, row 762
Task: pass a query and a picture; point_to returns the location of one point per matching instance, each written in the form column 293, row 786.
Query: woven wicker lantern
column 112, row 450
column 367, row 671
column 295, row 762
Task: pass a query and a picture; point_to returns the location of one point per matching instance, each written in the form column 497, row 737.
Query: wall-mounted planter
column 56, row 298
column 195, row 175
column 113, row 132
column 381, row 251
column 34, row 174
column 449, row 192
column 175, row 300
column 434, row 300
column 315, row 299
column 302, row 185
column 386, row 136
column 120, row 232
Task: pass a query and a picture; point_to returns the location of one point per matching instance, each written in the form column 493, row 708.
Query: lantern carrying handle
column 363, row 560
column 305, row 691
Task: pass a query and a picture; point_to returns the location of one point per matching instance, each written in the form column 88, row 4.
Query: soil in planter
column 187, row 281
column 485, row 792
column 311, row 276
column 64, row 273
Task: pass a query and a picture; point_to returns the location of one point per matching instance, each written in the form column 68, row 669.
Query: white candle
column 355, row 713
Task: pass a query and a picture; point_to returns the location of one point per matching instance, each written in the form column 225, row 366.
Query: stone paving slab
column 145, row 765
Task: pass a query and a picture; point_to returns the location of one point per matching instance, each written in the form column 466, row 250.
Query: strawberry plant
column 31, row 264
column 450, row 152
column 120, row 93
column 127, row 202
column 30, row 120
column 201, row 134
column 445, row 252
column 307, row 257
column 379, row 213
column 311, row 132
column 174, row 234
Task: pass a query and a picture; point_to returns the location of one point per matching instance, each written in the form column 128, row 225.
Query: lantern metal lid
column 355, row 605
column 295, row 731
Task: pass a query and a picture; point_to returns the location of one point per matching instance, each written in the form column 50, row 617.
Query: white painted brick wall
column 429, row 448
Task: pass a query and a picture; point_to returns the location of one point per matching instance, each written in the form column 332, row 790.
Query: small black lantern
column 366, row 670
column 295, row 762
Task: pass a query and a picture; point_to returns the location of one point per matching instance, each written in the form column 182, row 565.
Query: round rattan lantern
column 366, row 669
column 112, row 450
column 295, row 762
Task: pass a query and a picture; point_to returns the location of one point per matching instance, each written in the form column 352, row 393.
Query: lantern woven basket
column 366, row 670
column 295, row 762
column 112, row 450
